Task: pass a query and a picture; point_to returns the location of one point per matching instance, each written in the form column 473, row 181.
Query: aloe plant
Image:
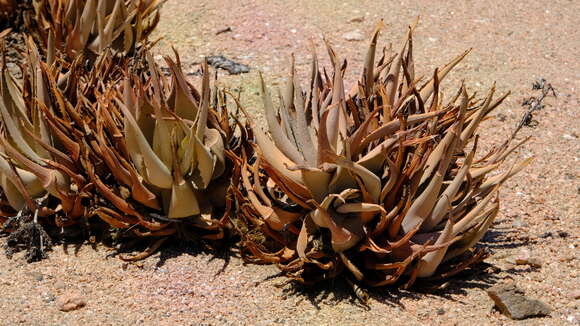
column 91, row 26
column 40, row 142
column 129, row 147
column 375, row 182
column 165, row 145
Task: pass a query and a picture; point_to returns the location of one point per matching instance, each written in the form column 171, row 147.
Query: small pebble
column 353, row 36
column 50, row 298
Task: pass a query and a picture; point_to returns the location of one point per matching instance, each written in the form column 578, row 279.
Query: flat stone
column 512, row 302
column 70, row 301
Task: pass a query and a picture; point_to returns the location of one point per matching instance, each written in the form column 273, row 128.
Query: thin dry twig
column 535, row 103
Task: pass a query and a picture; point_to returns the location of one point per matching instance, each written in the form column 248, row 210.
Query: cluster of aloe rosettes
column 374, row 183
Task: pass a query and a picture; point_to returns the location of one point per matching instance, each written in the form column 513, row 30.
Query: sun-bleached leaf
column 429, row 263
column 183, row 200
column 203, row 170
column 279, row 137
column 156, row 171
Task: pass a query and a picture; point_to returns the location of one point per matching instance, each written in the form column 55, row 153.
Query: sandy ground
column 514, row 43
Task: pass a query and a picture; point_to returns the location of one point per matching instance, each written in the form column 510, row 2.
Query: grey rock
column 512, row 302
column 233, row 68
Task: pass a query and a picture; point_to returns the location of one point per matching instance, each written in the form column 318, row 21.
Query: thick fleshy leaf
column 279, row 137
column 472, row 236
column 429, row 263
column 317, row 182
column 443, row 205
column 368, row 72
column 183, row 200
column 184, row 104
column 156, row 171
column 203, row 170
